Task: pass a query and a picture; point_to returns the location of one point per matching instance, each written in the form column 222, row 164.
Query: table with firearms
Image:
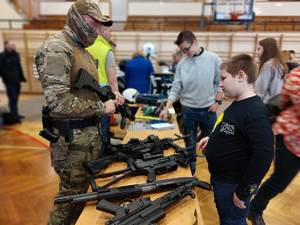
column 183, row 211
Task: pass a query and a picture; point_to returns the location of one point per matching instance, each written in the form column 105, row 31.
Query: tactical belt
column 75, row 123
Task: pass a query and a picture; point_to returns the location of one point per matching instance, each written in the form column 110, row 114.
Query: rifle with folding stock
column 143, row 211
column 134, row 149
column 151, row 166
column 129, row 191
column 84, row 79
column 149, row 144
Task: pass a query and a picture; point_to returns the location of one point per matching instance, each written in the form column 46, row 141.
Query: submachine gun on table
column 84, row 79
column 133, row 149
column 144, row 211
column 151, row 166
column 129, row 191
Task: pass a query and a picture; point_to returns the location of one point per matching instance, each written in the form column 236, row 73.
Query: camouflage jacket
column 58, row 61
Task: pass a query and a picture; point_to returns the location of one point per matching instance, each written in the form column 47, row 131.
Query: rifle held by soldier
column 84, row 79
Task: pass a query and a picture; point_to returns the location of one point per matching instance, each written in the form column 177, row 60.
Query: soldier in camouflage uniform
column 74, row 113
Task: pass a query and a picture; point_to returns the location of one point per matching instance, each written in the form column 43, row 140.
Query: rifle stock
column 134, row 149
column 96, row 165
column 84, row 79
column 151, row 166
column 143, row 210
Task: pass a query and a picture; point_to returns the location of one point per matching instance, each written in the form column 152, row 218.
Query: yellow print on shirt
column 218, row 120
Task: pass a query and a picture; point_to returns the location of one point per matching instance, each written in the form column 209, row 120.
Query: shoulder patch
column 55, row 66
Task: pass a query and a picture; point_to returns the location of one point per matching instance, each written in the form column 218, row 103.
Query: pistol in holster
column 47, row 131
column 65, row 126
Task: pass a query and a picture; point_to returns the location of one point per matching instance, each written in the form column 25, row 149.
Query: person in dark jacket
column 12, row 76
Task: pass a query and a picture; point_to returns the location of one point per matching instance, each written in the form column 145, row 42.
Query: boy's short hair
column 242, row 62
column 183, row 36
column 292, row 51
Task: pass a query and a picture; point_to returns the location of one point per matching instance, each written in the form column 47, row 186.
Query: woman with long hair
column 272, row 70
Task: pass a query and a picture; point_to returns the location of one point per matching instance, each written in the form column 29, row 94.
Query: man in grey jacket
column 196, row 80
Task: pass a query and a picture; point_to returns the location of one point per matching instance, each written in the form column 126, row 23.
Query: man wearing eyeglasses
column 197, row 83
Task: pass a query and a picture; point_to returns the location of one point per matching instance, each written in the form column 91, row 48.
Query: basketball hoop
column 235, row 14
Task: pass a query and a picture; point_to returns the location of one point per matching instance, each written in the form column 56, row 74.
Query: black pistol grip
column 123, row 122
column 151, row 176
column 95, row 166
column 108, row 207
column 130, row 161
column 47, row 134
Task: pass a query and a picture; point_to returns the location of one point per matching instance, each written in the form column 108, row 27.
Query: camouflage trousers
column 67, row 159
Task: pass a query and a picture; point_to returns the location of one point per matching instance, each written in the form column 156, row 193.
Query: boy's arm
column 261, row 140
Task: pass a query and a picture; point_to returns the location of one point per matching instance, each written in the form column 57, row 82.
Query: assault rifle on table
column 151, row 165
column 150, row 144
column 144, row 211
column 134, row 149
column 130, row 191
column 84, row 79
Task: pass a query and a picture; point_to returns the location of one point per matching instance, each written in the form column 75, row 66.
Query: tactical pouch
column 64, row 129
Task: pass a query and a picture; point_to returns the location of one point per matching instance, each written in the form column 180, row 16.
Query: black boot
column 255, row 219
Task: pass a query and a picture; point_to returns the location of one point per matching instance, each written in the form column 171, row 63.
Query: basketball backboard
column 234, row 10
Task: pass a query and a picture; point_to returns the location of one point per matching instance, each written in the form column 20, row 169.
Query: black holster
column 47, row 131
column 65, row 126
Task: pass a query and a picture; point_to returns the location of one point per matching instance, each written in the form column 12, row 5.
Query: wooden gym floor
column 28, row 183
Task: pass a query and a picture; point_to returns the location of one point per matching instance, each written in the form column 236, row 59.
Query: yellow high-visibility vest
column 99, row 51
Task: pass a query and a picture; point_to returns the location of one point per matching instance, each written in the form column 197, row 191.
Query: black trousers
column 13, row 92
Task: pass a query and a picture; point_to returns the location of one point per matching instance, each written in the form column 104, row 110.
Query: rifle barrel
column 182, row 137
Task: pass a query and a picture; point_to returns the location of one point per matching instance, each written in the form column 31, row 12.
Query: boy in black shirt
column 240, row 149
